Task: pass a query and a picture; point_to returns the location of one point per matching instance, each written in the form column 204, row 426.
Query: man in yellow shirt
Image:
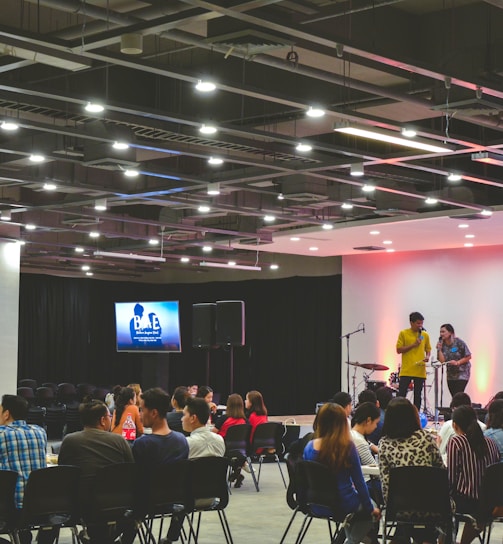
column 414, row 346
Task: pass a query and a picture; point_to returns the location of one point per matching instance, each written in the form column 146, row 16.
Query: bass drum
column 374, row 386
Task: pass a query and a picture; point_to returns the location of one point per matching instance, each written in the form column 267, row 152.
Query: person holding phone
column 455, row 354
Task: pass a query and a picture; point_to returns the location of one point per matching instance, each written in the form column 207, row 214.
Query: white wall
column 458, row 286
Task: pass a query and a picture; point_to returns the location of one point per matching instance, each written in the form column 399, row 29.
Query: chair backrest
column 28, row 383
column 316, row 490
column 44, row 396
column 36, row 416
column 55, row 418
column 51, row 385
column 268, row 436
column 27, row 394
column 66, row 392
column 85, row 390
column 100, row 393
column 51, row 497
column 73, row 421
column 421, row 490
column 237, row 439
column 491, row 491
column 8, row 479
column 209, row 480
column 291, row 462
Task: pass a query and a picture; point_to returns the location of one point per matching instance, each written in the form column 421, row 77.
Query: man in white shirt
column 202, row 442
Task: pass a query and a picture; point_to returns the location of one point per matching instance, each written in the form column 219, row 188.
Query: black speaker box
column 203, row 325
column 230, row 318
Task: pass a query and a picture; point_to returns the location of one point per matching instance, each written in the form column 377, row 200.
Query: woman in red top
column 234, row 415
column 256, row 409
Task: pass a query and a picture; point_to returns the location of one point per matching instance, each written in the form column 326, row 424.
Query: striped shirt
column 465, row 468
column 23, row 448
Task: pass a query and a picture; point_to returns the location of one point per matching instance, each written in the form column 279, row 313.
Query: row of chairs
column 417, row 497
column 50, row 393
column 185, row 489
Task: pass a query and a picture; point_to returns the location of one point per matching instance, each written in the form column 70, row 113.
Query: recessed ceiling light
column 356, row 169
column 5, row 215
column 184, row 259
column 469, row 235
column 89, row 273
column 213, row 189
column 120, row 146
column 86, row 267
column 79, row 249
column 327, row 226
column 431, row 200
column 468, row 244
column 390, row 250
column 387, row 242
column 94, row 107
column 269, row 218
column 313, row 248
column 463, row 226
column 486, row 212
column 315, row 112
column 94, row 234
column 207, row 249
column 9, row 126
column 408, row 132
column 100, row 205
column 203, row 209
column 215, row 161
column 232, row 263
column 153, row 241
column 30, row 226
column 454, row 177
column 281, row 196
column 304, row 148
column 130, row 173
column 49, row 186
column 374, row 232
column 347, row 206
column 294, row 239
column 37, row 157
column 208, row 129
column 205, row 86
column 274, row 266
column 368, row 188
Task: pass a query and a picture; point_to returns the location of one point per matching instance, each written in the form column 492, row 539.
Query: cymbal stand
column 435, row 365
column 347, row 336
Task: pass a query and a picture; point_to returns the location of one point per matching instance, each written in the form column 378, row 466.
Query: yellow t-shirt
column 414, row 355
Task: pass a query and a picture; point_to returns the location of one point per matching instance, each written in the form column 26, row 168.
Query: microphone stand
column 347, row 337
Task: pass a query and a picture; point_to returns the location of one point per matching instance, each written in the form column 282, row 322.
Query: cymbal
column 353, row 363
column 373, row 366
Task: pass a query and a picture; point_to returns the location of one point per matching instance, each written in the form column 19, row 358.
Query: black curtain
column 292, row 351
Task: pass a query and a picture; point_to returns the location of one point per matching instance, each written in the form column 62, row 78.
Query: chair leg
column 304, row 529
column 252, row 472
column 289, row 525
column 225, row 526
column 280, row 471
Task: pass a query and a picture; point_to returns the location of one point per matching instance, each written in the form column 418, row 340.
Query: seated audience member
column 110, row 397
column 344, row 399
column 495, row 424
column 332, row 446
column 447, row 431
column 384, row 395
column 256, row 410
column 404, row 443
column 136, row 387
column 192, row 389
column 125, row 405
column 202, row 442
column 469, row 453
column 498, row 396
column 178, row 400
column 367, row 395
column 91, row 449
column 23, row 449
column 206, row 392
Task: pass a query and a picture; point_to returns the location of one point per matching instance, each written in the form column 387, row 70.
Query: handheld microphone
column 420, row 333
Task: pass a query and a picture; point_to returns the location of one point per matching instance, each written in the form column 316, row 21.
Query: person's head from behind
column 416, row 321
column 495, row 414
column 205, row 392
column 499, row 395
column 13, row 408
column 155, row 404
column 95, row 414
column 179, row 398
column 401, row 419
column 465, row 422
column 343, row 399
column 384, row 396
column 255, row 403
column 195, row 414
column 332, row 428
column 136, row 387
column 460, row 399
column 367, row 395
column 366, row 417
column 235, row 406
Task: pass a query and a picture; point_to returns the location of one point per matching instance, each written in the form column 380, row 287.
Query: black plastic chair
column 55, row 419
column 491, row 499
column 44, row 396
column 51, row 385
column 8, row 517
column 268, row 436
column 209, row 491
column 419, row 497
column 27, row 393
column 317, row 498
column 36, row 416
column 85, row 390
column 67, row 393
column 51, row 499
column 100, row 393
column 237, row 444
column 28, row 382
column 73, row 422
column 166, row 492
column 291, row 462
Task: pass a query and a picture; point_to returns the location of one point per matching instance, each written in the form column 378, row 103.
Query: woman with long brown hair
column 332, row 446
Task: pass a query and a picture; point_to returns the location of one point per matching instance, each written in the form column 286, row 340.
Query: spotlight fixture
column 94, row 234
column 380, row 135
column 327, row 226
column 86, row 267
column 130, row 173
column 120, row 146
column 203, row 208
column 208, row 129
column 37, row 157
column 281, row 196
column 304, row 148
column 184, row 259
column 408, row 132
column 368, row 188
column 215, row 161
column 226, row 265
column 132, row 44
column 30, row 226
column 49, row 186
column 315, row 112
column 153, row 241
column 79, row 249
column 213, row 189
column 273, row 266
column 9, row 125
column 454, row 177
column 205, row 86
column 356, row 169
column 431, row 200
column 207, row 249
column 132, row 256
column 94, row 107
column 347, row 206
column 488, row 158
column 100, row 205
column 5, row 215
column 269, row 218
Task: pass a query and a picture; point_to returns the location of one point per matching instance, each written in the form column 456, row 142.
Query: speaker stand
column 231, row 376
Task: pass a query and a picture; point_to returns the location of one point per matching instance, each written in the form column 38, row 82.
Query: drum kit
column 369, row 384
